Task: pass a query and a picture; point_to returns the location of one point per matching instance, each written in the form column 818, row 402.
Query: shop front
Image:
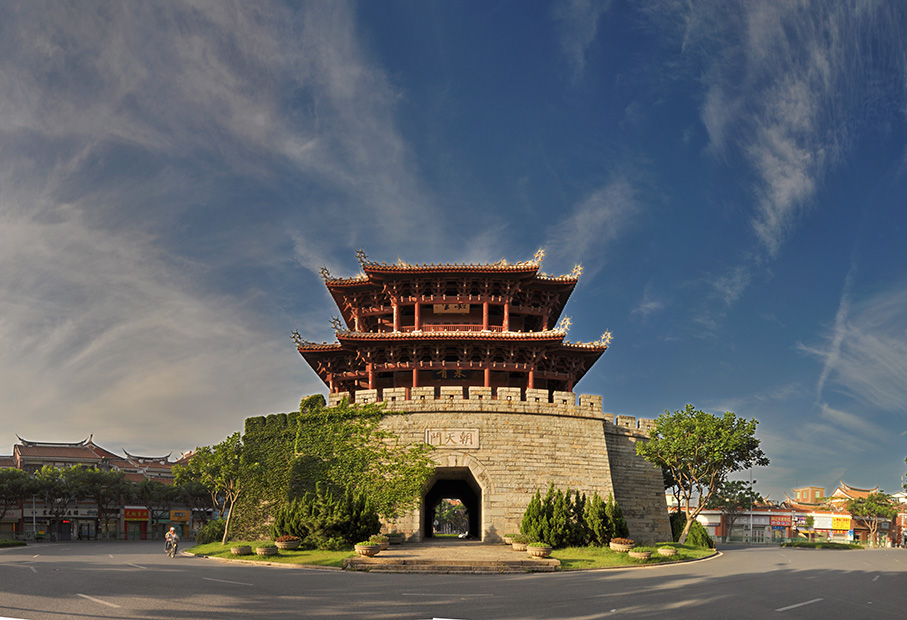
column 135, row 523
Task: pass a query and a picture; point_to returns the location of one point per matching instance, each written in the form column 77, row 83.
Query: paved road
column 136, row 580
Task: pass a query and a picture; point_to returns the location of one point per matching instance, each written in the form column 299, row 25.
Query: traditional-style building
column 473, row 359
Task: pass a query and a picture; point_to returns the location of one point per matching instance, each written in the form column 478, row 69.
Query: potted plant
column 382, row 541
column 266, row 549
column 241, row 550
column 508, row 538
column 520, row 542
column 538, row 550
column 367, row 548
column 395, row 538
column 621, row 545
column 640, row 553
column 667, row 551
column 287, row 542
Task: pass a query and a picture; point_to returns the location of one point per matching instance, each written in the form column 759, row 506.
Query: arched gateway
column 473, row 360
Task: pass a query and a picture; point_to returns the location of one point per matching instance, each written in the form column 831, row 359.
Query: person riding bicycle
column 171, row 539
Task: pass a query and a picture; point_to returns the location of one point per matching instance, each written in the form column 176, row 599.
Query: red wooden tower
column 492, row 325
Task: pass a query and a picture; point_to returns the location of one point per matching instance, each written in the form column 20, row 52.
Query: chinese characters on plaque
column 452, row 437
column 450, row 308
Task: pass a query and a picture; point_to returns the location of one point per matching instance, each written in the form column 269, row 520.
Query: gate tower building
column 472, row 358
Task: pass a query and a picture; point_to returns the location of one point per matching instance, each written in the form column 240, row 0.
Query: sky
column 730, row 174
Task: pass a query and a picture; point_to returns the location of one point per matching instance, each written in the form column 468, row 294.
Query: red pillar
column 370, row 369
column 418, row 322
column 487, row 376
column 507, row 316
column 485, row 316
column 415, row 376
column 531, row 382
column 396, row 307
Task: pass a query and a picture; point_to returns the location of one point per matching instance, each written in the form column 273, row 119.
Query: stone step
column 450, row 566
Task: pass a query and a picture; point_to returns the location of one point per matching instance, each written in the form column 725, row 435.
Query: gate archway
column 453, row 483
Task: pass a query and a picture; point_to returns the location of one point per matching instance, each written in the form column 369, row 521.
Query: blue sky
column 731, row 175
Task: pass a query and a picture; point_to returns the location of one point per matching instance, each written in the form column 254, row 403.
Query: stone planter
column 538, row 552
column 519, row 546
column 241, row 550
column 508, row 540
column 667, row 551
column 290, row 544
column 619, row 547
column 266, row 550
column 384, row 544
column 640, row 555
column 368, row 550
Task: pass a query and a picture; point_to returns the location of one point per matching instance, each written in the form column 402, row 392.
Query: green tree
column 60, row 489
column 700, row 450
column 732, row 498
column 158, row 498
column 223, row 472
column 15, row 486
column 343, row 447
column 108, row 489
column 810, row 523
column 872, row 509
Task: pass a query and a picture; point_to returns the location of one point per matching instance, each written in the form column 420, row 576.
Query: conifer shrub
column 568, row 519
column 324, row 521
column 698, row 536
column 212, row 531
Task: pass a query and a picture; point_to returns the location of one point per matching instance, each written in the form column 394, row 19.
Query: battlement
column 486, row 399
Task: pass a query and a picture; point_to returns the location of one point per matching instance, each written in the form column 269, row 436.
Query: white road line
column 239, row 583
column 815, row 600
column 137, row 566
column 446, row 595
column 36, row 555
column 109, row 555
column 876, row 578
column 97, row 600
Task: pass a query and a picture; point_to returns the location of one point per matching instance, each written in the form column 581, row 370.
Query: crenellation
column 451, row 392
column 479, row 392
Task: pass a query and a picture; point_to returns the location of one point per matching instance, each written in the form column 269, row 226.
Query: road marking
column 97, row 600
column 876, row 578
column 137, row 566
column 109, row 555
column 36, row 555
column 815, row 600
column 445, row 595
column 239, row 583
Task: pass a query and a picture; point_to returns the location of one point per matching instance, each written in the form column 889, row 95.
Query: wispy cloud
column 141, row 233
column 577, row 22
column 597, row 221
column 865, row 354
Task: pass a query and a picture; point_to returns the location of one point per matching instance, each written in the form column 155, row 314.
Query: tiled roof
column 56, row 452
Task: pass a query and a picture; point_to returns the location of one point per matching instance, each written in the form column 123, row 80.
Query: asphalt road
column 52, row 581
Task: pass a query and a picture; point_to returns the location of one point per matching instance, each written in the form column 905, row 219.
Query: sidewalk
column 451, row 555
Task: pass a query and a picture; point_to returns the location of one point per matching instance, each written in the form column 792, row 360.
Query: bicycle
column 171, row 547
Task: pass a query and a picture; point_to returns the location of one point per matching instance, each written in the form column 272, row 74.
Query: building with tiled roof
column 473, row 359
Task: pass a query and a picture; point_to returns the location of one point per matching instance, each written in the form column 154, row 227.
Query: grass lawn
column 312, row 557
column 579, row 558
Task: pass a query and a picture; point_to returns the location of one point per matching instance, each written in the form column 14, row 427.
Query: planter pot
column 640, row 555
column 383, row 544
column 368, row 550
column 619, row 547
column 538, row 552
column 508, row 540
column 518, row 546
column 290, row 544
column 395, row 538
column 241, row 550
column 667, row 551
column 266, row 550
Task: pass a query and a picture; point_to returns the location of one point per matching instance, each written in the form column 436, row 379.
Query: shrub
column 324, row 522
column 212, row 531
column 698, row 536
column 565, row 519
column 286, row 538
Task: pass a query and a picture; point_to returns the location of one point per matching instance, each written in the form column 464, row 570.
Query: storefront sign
column 135, row 514
column 452, row 437
column 179, row 516
column 781, row 520
column 822, row 522
column 840, row 523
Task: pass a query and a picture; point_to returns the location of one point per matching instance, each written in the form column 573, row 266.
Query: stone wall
column 513, row 444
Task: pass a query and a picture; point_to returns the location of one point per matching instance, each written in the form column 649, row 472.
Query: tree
column 344, row 448
column 221, row 470
column 60, row 489
column 15, row 486
column 158, row 498
column 732, row 498
column 700, row 450
column 871, row 509
column 108, row 490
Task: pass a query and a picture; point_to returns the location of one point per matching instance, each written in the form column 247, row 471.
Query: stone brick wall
column 513, row 445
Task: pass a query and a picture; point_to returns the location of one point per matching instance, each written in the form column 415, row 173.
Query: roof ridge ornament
column 577, row 270
column 325, row 274
column 299, row 340
column 604, row 341
column 539, row 256
column 337, row 324
column 563, row 325
column 362, row 257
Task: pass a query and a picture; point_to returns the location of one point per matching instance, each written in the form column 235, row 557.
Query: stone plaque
column 452, row 437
